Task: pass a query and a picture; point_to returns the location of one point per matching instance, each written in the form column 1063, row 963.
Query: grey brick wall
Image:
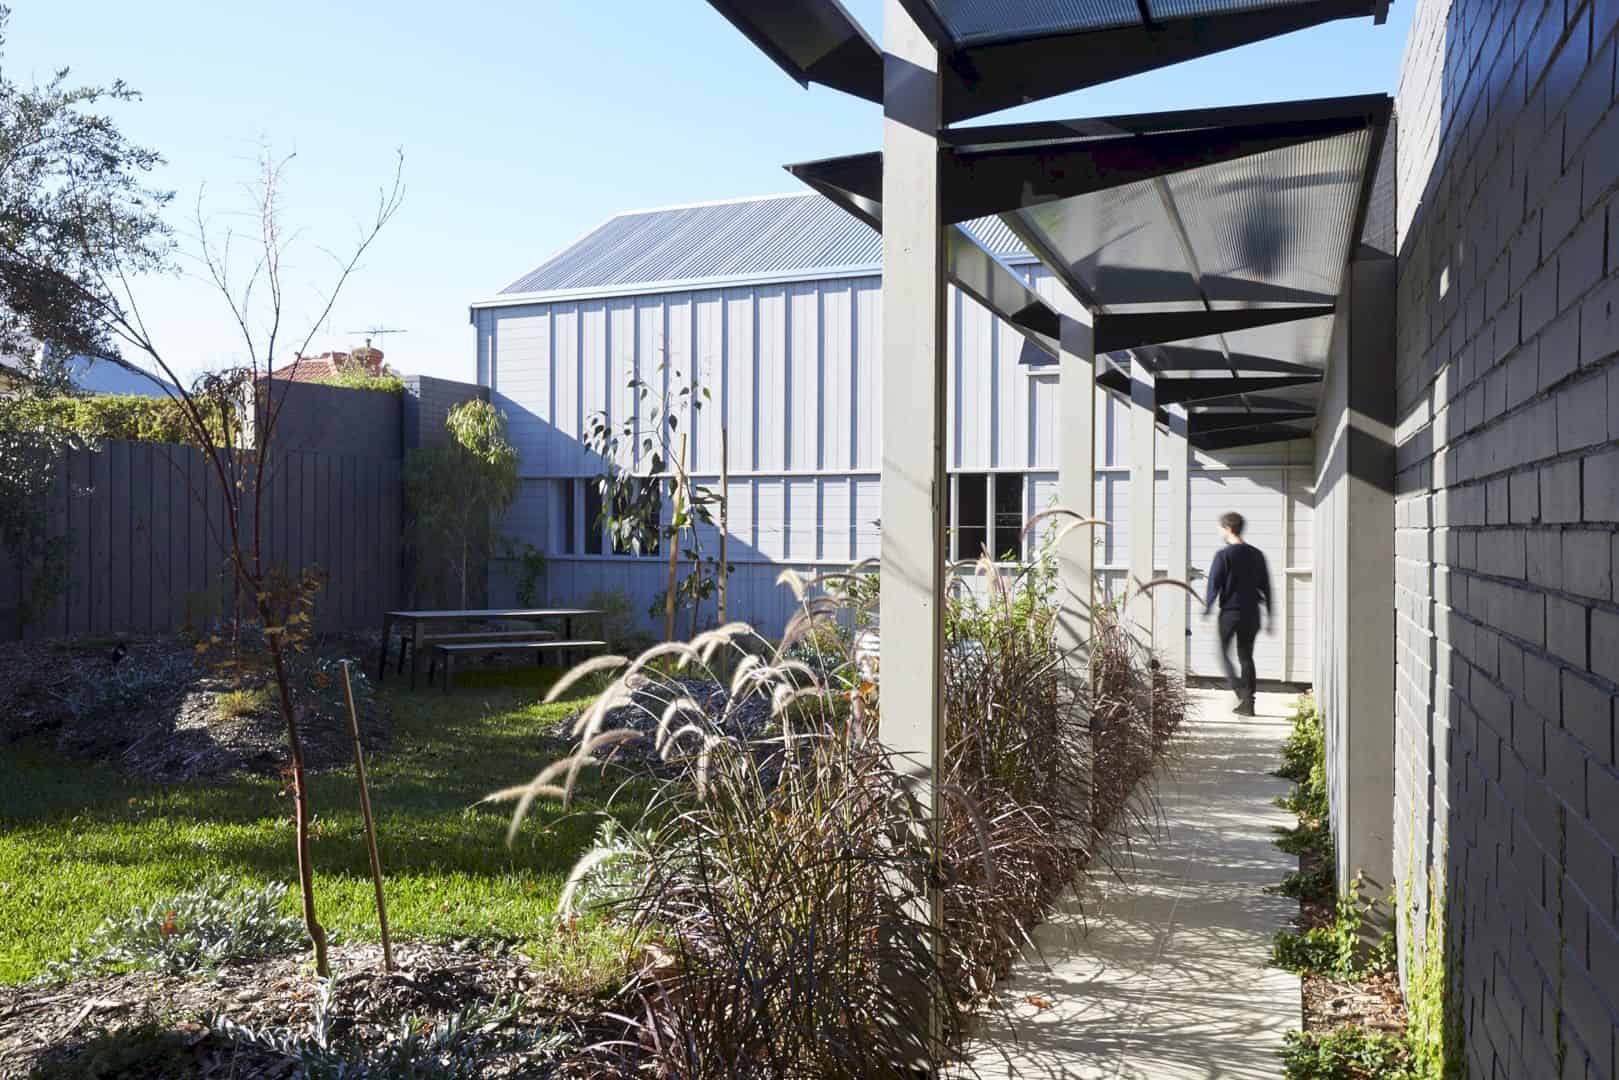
column 1508, row 503
column 427, row 405
column 317, row 418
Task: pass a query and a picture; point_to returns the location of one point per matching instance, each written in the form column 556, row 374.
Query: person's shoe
column 1246, row 708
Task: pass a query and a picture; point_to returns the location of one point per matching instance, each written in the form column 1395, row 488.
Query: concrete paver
column 1162, row 973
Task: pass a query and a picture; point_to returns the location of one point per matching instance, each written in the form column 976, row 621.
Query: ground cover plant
column 1354, row 1017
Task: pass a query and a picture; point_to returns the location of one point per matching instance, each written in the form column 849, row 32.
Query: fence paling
column 142, row 521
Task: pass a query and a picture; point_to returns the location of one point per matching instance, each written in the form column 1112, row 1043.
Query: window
column 588, row 489
column 1007, row 542
column 650, row 489
column 567, row 512
column 972, row 514
column 987, row 515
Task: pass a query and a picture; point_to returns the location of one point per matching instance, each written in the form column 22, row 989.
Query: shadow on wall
column 1504, row 717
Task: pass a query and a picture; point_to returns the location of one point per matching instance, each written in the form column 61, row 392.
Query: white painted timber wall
column 793, row 374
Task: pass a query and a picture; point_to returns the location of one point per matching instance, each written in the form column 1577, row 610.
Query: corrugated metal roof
column 772, row 235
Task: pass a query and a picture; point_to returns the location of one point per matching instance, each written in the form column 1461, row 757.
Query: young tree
column 88, row 228
column 632, row 501
column 456, row 491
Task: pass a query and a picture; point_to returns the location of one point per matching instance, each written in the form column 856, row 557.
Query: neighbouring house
column 96, row 375
column 774, row 303
column 329, row 365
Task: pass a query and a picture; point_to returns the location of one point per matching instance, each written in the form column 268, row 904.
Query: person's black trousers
column 1244, row 626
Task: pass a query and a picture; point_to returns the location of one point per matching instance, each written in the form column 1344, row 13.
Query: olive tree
column 74, row 208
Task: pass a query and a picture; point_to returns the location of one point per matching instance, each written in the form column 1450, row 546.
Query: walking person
column 1240, row 581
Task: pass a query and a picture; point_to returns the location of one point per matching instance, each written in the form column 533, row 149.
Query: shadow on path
column 1163, row 973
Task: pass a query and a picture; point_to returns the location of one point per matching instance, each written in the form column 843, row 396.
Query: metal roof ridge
column 737, row 201
column 678, row 285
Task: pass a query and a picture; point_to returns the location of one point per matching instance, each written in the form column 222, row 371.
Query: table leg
column 567, row 635
column 387, row 629
column 415, row 649
column 449, row 671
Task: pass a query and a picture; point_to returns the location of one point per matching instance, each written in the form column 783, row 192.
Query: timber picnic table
column 415, row 624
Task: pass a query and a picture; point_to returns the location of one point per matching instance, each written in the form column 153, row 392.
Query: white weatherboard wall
column 793, row 372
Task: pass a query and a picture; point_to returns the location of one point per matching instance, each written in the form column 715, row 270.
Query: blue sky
column 523, row 125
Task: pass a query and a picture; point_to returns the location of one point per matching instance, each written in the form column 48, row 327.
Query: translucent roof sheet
column 1004, row 53
column 1270, row 228
column 980, row 22
column 1170, row 228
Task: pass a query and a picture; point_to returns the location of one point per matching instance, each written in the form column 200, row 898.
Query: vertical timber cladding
column 1506, row 514
column 804, row 455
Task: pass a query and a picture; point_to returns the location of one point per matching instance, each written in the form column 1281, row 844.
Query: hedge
column 110, row 416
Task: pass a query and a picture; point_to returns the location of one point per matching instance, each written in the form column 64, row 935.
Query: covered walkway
column 1164, row 975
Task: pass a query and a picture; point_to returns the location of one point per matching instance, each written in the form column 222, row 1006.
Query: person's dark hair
column 1233, row 521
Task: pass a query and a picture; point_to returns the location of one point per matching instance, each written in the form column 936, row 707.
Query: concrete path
column 1163, row 975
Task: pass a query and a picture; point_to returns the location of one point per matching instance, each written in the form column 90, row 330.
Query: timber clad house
column 774, row 304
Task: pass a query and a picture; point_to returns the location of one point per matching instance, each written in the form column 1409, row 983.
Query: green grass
column 79, row 842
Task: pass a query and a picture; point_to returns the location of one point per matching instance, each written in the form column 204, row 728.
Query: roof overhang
column 997, row 55
column 1210, row 244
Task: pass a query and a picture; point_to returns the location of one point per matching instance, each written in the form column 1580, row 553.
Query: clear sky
column 523, row 125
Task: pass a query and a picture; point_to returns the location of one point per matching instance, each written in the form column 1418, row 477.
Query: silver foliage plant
column 460, row 1046
column 195, row 930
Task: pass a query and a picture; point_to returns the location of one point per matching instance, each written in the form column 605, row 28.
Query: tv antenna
column 377, row 332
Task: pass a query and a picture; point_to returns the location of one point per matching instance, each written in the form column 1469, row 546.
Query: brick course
column 1508, row 392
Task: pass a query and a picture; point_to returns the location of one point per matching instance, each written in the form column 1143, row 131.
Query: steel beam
column 1203, row 423
column 994, row 170
column 1183, row 391
column 1132, row 330
column 989, row 77
column 813, row 41
column 1248, row 403
column 855, row 183
column 911, row 598
column 978, row 183
column 1254, row 436
column 1143, row 471
column 1188, row 358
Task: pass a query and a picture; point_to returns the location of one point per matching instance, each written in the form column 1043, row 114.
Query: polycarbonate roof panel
column 979, row 22
column 1271, row 228
column 1305, row 342
column 1191, row 9
column 971, row 21
column 1118, row 242
column 1275, row 225
column 750, row 237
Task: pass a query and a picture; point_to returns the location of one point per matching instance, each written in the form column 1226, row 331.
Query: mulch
column 1373, row 1002
column 44, row 1028
column 149, row 707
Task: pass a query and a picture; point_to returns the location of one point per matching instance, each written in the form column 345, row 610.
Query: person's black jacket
column 1240, row 580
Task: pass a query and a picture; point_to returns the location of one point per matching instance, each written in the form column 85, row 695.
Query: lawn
column 81, row 842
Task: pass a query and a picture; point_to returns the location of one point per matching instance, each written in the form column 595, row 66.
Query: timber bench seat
column 417, row 628
column 448, row 651
column 430, row 640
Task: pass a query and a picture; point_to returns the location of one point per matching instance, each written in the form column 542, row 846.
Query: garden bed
column 149, row 707
column 147, row 1023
